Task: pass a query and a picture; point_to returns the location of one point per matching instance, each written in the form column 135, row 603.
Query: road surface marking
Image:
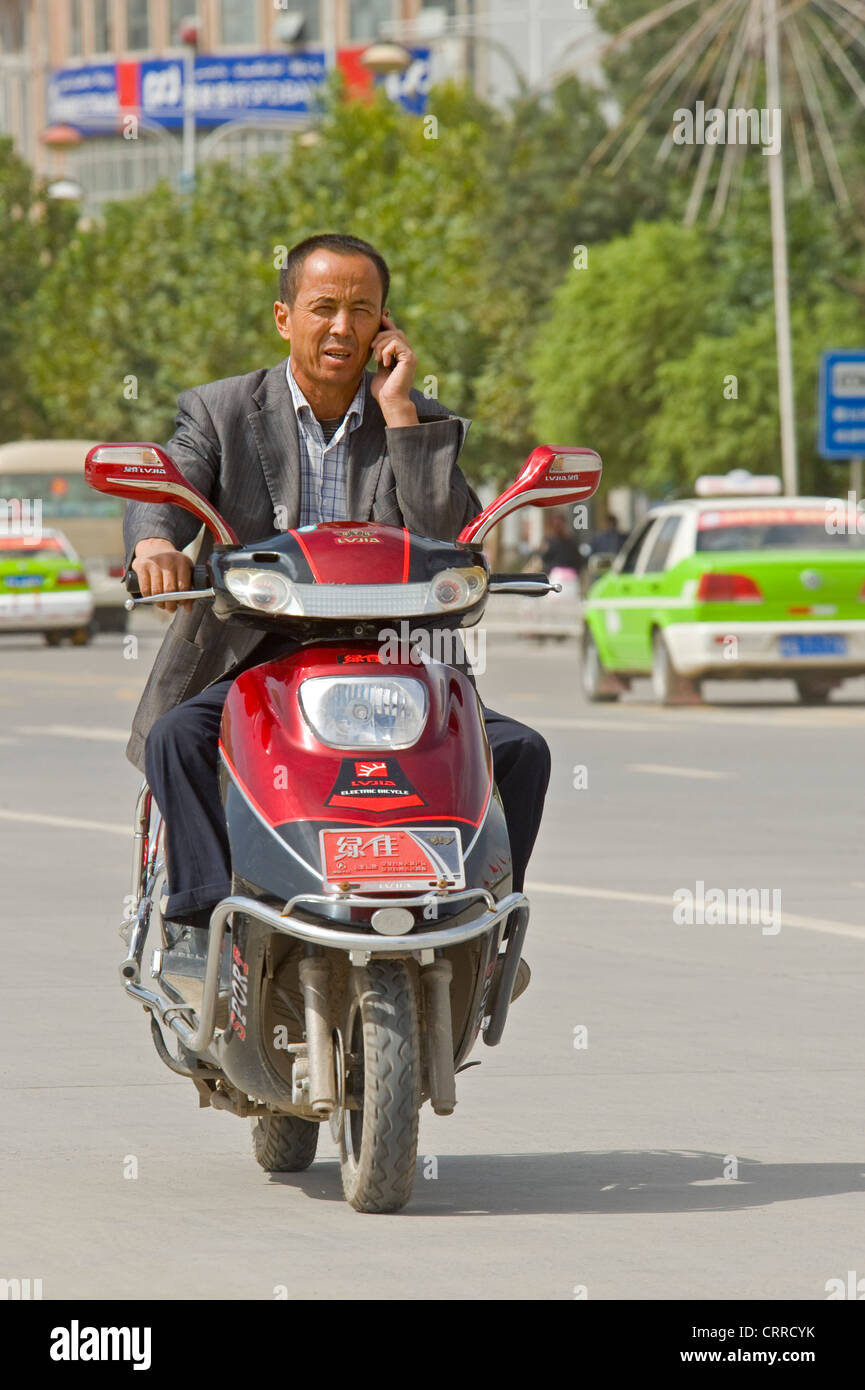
column 74, row 731
column 66, row 822
column 788, row 919
column 669, row 771
column 789, row 716
column 614, row 725
column 69, row 677
column 667, row 719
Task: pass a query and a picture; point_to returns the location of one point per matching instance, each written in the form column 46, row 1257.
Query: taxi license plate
column 24, row 581
column 813, row 644
column 393, row 859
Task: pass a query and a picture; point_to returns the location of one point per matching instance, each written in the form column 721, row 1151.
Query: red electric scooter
column 372, row 932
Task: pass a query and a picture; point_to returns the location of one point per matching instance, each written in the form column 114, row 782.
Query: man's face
column 334, row 318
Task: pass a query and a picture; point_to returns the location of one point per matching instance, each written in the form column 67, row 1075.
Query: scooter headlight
column 264, row 590
column 454, row 589
column 348, row 713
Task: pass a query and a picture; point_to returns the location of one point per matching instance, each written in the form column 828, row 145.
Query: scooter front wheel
column 378, row 1140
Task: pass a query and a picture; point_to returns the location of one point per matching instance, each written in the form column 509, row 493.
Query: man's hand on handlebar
column 162, row 569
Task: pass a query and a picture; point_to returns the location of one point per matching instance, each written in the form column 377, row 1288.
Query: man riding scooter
column 315, row 438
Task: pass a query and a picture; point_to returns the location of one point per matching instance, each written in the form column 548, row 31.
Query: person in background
column 560, row 549
column 609, row 539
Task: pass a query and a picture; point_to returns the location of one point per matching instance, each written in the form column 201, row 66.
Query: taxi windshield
column 781, row 529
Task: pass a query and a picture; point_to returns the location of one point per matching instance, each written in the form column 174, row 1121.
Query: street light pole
column 328, row 34
column 189, row 35
column 535, row 45
column 789, row 466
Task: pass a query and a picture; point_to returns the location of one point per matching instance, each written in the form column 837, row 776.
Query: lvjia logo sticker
column 375, row 784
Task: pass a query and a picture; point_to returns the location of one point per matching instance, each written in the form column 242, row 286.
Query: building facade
column 92, row 91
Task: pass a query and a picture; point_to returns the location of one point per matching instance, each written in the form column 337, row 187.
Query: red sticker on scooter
column 375, row 784
column 393, row 859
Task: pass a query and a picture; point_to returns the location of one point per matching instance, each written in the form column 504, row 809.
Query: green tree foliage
column 662, row 355
column 594, row 362
column 546, row 205
column 477, row 212
column 718, row 403
column 481, row 214
column 32, row 229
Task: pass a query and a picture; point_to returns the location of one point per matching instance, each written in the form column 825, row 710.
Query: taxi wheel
column 669, row 687
column 813, row 692
column 53, row 639
column 80, row 637
column 594, row 676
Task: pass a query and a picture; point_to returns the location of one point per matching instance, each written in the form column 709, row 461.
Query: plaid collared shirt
column 323, row 463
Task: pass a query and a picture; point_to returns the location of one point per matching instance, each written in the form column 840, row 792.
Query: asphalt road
column 674, row 1112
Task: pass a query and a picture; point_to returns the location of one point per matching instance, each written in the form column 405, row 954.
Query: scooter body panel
column 281, row 786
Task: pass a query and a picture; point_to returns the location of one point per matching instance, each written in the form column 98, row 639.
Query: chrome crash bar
column 198, row 1039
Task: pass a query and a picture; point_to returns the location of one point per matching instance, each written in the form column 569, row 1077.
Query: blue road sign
column 842, row 405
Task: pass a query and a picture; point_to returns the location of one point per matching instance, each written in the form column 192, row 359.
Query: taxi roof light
column 739, row 482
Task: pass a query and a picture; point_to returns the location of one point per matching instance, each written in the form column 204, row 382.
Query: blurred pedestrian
column 609, row 539
column 560, row 549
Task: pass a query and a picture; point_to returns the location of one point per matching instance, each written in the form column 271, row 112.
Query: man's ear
column 280, row 312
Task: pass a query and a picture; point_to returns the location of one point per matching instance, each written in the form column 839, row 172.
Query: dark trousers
column 181, row 760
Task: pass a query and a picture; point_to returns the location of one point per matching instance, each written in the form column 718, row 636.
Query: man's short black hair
column 343, row 245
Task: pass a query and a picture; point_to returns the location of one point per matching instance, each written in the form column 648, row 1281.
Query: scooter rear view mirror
column 145, row 473
column 549, row 477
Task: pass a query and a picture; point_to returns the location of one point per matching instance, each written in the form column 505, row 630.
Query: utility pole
column 789, row 466
column 190, row 35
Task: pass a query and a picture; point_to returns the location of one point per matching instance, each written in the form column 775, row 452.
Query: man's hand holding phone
column 392, row 382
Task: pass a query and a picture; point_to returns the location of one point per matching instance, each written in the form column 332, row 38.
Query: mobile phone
column 383, row 328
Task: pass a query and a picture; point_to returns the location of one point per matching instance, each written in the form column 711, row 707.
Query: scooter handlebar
column 531, row 585
column 200, row 580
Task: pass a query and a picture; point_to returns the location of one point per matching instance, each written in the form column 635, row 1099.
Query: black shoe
column 521, row 980
column 521, row 983
column 185, row 950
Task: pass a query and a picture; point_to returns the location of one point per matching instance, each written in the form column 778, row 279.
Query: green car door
column 632, row 598
column 658, row 588
column 611, row 610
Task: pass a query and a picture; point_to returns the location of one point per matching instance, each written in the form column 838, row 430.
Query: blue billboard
column 227, row 88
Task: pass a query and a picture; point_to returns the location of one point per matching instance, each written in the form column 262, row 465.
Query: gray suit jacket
column 236, row 441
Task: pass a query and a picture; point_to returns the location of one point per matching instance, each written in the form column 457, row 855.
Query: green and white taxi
column 43, row 588
column 731, row 587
